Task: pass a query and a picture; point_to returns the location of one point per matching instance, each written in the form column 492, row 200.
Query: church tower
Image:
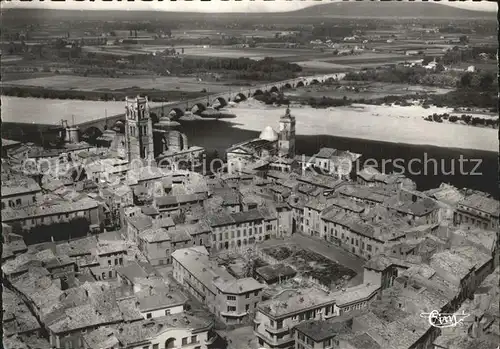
column 286, row 135
column 138, row 129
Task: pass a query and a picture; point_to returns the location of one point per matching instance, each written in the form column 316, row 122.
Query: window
column 247, row 307
column 167, row 311
column 369, row 247
column 231, row 298
column 231, row 308
column 156, row 346
column 149, row 316
column 184, row 341
column 194, row 339
column 109, row 261
column 256, row 293
column 110, row 274
column 18, row 202
column 247, row 295
column 145, row 347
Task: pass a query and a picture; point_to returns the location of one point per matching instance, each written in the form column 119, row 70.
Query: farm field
column 255, row 53
column 51, row 111
column 199, row 34
column 322, row 65
column 368, row 58
column 65, row 82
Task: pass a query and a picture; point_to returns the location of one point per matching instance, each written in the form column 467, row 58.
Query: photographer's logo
column 444, row 320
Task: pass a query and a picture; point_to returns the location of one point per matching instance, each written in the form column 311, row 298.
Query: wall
column 178, row 334
column 161, row 312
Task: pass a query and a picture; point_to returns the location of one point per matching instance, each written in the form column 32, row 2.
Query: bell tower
column 138, row 129
column 286, row 135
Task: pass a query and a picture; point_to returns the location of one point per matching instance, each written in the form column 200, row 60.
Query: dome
column 166, row 122
column 269, row 134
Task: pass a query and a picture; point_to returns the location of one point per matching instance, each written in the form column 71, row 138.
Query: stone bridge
column 177, row 109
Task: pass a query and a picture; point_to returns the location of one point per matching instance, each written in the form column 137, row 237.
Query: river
column 427, row 160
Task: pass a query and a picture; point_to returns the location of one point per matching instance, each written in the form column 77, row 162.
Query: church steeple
column 286, row 136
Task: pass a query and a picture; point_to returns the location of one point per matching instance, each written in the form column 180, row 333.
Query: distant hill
column 392, row 9
column 366, row 9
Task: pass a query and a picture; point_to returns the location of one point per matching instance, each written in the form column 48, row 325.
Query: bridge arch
column 287, row 85
column 258, row 93
column 314, row 82
column 119, row 126
column 91, row 134
column 221, row 101
column 198, row 108
column 175, row 113
column 300, row 84
column 274, row 89
column 240, row 97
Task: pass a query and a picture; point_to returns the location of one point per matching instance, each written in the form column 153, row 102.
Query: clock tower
column 286, row 135
column 138, row 129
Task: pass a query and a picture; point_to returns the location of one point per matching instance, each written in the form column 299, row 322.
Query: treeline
column 452, row 99
column 153, row 95
column 166, row 65
column 325, row 102
column 470, row 54
column 479, row 81
column 467, row 119
column 191, row 65
column 404, row 75
column 271, row 98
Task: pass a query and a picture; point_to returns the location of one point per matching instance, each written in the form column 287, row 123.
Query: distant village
column 111, row 247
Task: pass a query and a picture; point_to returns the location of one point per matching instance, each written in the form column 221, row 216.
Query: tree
column 426, row 60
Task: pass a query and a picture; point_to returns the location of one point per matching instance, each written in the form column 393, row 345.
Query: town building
column 19, row 192
column 230, row 299
column 242, row 229
column 477, row 211
column 47, row 214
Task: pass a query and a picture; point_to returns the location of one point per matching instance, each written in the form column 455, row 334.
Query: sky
column 207, row 6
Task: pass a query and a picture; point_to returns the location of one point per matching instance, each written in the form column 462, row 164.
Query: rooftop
column 355, row 294
column 482, row 203
column 41, row 210
column 19, row 186
column 320, row 330
column 140, row 331
column 158, row 298
column 285, row 304
column 137, row 270
column 363, row 341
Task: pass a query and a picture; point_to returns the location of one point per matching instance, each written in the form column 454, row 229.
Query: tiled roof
column 19, row 187
column 482, row 203
column 10, row 214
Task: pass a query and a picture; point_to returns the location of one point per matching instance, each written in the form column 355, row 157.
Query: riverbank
column 397, row 124
column 219, row 135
